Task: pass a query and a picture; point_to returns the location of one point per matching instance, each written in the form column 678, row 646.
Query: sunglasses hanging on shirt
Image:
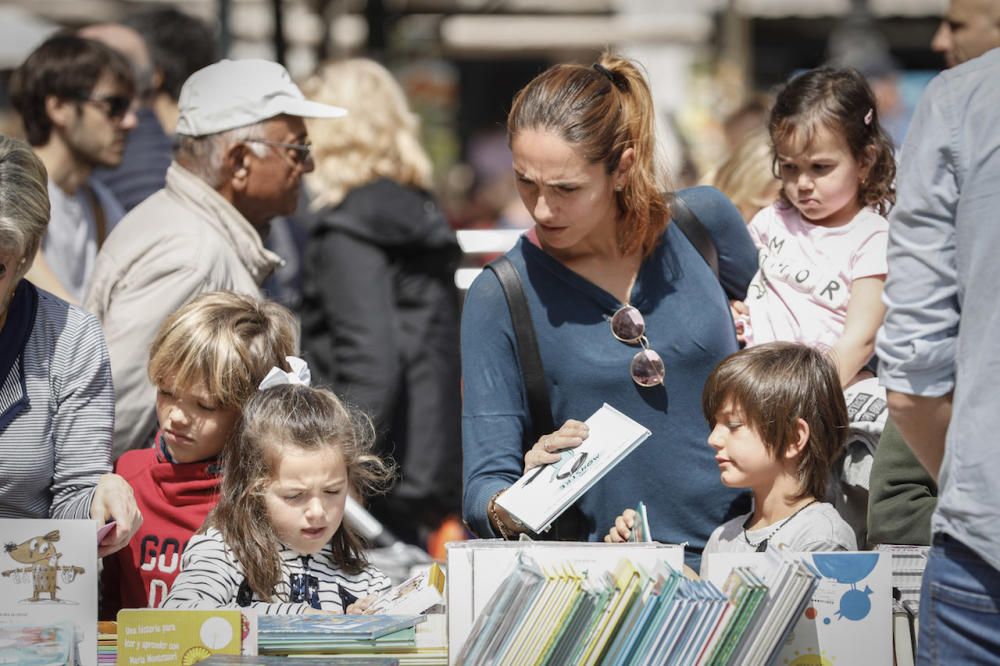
column 628, row 326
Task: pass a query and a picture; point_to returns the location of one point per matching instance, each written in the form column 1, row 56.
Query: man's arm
column 923, row 422
column 917, row 343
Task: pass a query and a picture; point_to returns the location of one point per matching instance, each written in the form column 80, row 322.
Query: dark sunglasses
column 302, row 152
column 304, row 588
column 115, row 107
column 647, row 367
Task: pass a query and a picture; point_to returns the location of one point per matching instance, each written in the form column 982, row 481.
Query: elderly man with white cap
column 240, row 154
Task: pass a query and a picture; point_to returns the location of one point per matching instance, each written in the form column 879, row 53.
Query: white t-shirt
column 818, row 527
column 801, row 290
column 70, row 243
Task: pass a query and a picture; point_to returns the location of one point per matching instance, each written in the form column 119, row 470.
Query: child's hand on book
column 546, row 449
column 361, row 605
column 619, row 532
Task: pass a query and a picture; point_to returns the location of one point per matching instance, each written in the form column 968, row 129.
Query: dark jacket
column 380, row 325
column 903, row 495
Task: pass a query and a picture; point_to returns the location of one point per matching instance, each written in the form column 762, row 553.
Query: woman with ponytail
column 625, row 309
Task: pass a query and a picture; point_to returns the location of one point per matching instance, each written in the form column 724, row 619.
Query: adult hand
column 740, row 312
column 546, row 449
column 114, row 500
column 623, row 526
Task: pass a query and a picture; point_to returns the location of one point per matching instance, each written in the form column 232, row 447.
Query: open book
column 414, row 596
column 543, row 493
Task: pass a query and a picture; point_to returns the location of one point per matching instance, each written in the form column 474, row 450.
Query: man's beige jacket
column 182, row 241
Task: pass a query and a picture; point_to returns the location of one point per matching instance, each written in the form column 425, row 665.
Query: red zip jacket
column 174, row 499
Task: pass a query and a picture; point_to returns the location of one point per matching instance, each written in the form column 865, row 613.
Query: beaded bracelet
column 492, row 507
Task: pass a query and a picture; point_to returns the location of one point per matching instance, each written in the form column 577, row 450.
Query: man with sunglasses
column 74, row 96
column 241, row 151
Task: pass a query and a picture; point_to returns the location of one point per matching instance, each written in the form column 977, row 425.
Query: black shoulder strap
column 527, row 350
column 696, row 232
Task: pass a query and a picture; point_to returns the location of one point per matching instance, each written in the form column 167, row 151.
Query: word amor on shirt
column 823, row 287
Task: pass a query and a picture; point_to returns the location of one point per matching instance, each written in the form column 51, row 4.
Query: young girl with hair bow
column 277, row 540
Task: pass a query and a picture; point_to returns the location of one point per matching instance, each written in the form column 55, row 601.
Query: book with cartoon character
column 48, row 575
column 414, row 596
column 543, row 493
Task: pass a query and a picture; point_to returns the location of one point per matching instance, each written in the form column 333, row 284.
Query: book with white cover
column 48, row 574
column 414, row 596
column 543, row 493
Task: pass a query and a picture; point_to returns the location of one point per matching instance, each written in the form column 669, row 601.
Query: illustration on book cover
column 44, row 571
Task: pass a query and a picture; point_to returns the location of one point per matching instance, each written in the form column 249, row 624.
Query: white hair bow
column 276, row 376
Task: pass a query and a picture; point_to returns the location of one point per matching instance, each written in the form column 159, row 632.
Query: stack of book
column 244, row 660
column 107, row 643
column 847, row 618
column 324, row 634
column 558, row 616
column 790, row 590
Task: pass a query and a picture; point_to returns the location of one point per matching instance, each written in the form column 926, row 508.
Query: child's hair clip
column 869, row 116
column 276, row 376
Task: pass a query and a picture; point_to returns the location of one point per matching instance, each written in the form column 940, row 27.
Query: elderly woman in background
column 56, row 398
column 380, row 308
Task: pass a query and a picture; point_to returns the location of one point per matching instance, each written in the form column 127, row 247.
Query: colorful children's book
column 543, row 493
column 627, row 582
column 477, row 569
column 501, row 610
column 38, row 645
column 157, row 635
column 48, row 574
column 414, row 596
column 284, row 634
column 640, row 532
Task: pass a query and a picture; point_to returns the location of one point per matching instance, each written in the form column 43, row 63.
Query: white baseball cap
column 235, row 93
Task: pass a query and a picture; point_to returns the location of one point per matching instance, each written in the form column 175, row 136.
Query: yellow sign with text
column 156, row 636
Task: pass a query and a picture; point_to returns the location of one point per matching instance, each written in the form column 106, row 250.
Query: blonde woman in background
column 380, row 308
column 746, row 176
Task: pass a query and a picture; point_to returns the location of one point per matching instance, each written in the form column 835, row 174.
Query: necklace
column 761, row 545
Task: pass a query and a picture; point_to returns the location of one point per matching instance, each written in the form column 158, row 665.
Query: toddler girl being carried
column 823, row 244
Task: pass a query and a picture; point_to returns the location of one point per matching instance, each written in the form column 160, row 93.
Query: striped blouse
column 211, row 577
column 55, row 450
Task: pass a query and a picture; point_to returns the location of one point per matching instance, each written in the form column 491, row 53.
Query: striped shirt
column 53, row 453
column 211, row 577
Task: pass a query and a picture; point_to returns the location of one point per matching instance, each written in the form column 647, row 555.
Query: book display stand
column 504, row 602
